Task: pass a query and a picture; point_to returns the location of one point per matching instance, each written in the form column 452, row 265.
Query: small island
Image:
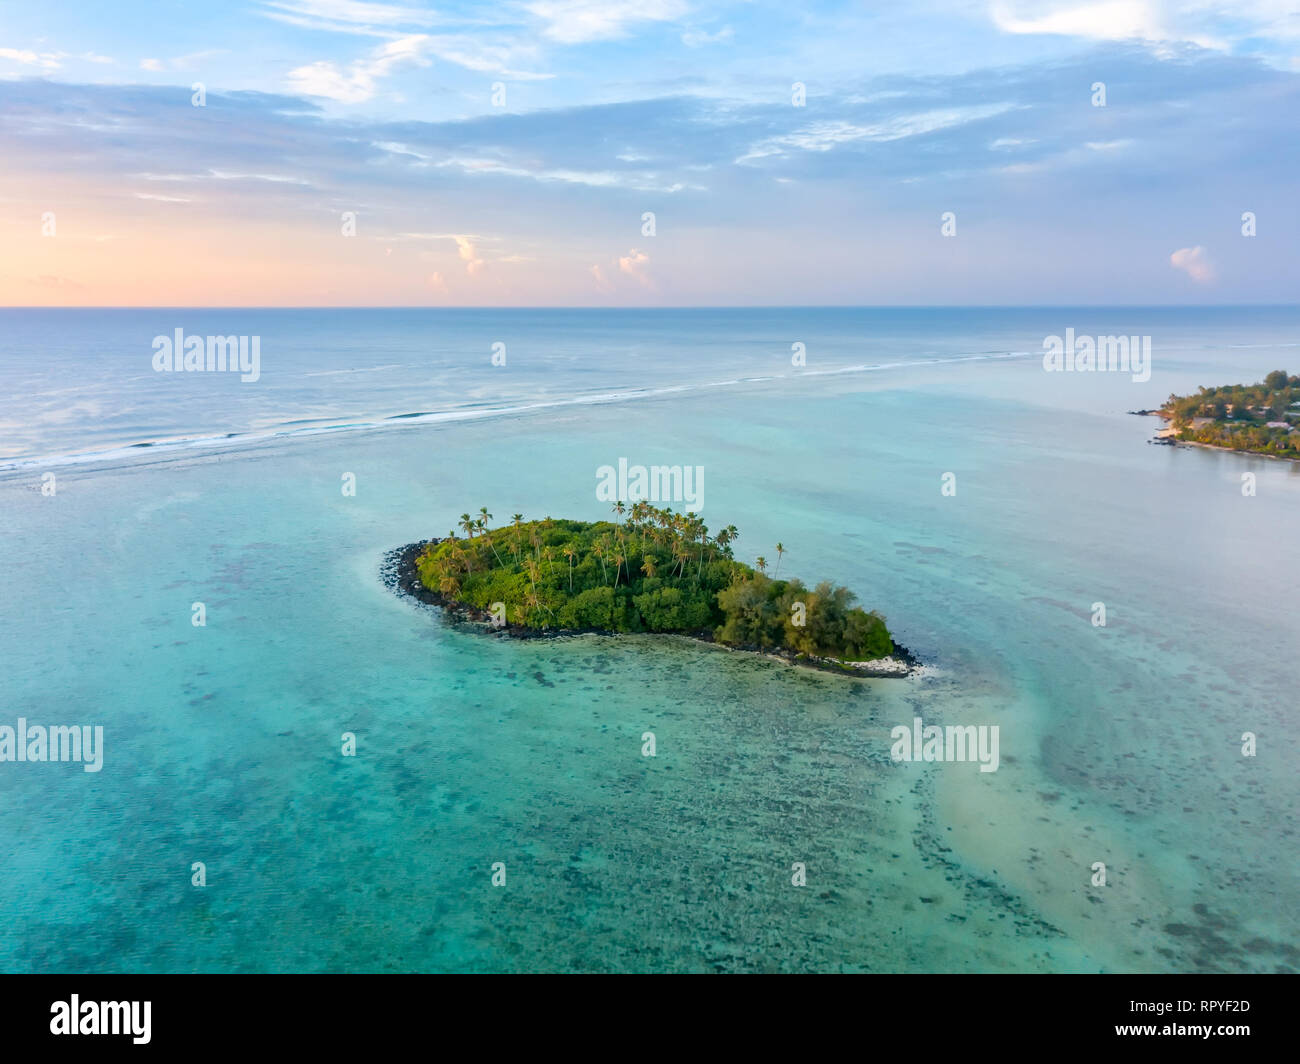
column 1261, row 418
column 652, row 571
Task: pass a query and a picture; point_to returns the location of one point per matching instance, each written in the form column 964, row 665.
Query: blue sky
column 506, row 154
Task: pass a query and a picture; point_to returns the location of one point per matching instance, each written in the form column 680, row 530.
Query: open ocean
column 1119, row 744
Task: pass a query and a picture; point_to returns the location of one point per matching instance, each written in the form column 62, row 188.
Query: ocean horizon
column 439, row 351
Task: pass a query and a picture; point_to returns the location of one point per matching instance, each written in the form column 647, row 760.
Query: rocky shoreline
column 400, row 576
column 1168, row 437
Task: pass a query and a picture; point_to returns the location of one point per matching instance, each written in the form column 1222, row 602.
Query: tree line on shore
column 1240, row 415
column 649, row 570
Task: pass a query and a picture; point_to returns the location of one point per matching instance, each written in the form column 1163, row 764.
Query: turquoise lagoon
column 1119, row 744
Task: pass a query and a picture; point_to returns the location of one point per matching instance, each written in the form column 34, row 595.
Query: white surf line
column 242, row 439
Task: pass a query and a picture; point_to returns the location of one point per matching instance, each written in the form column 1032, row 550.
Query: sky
column 648, row 153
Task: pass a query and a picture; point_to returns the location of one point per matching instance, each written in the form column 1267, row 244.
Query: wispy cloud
column 700, row 38
column 1109, row 20
column 359, row 82
column 180, row 62
column 45, row 60
column 1211, row 24
column 826, row 135
column 581, row 21
column 349, row 16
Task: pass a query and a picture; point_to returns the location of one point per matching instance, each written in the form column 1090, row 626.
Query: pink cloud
column 1195, row 262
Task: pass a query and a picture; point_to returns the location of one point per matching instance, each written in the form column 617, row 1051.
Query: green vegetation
column 1239, row 416
column 650, row 571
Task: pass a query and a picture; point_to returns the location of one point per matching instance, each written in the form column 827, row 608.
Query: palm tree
column 482, row 524
column 619, row 508
column 467, row 523
column 619, row 559
column 648, row 567
column 533, row 597
column 599, row 551
column 696, row 527
column 517, row 520
column 681, row 555
column 780, row 550
column 664, row 518
column 641, row 510
column 547, row 523
column 464, row 557
column 569, row 552
column 761, row 562
column 449, row 585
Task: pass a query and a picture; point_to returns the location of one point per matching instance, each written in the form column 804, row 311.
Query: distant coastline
column 1168, row 437
column 1259, row 419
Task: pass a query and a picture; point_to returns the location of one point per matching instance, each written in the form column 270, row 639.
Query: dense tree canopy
column 1240, row 414
column 650, row 570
